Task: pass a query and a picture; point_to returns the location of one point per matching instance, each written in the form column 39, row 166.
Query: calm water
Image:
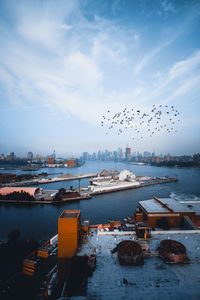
column 40, row 221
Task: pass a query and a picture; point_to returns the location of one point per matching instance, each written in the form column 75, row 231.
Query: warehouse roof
column 163, row 205
column 152, row 206
column 174, row 205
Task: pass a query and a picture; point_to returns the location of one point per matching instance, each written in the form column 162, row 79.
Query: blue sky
column 63, row 64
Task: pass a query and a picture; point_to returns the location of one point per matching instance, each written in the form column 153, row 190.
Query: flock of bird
column 159, row 118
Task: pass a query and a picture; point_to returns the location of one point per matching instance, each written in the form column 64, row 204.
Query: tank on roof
column 130, row 252
column 126, row 175
column 172, row 251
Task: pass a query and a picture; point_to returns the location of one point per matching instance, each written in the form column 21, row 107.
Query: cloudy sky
column 64, row 63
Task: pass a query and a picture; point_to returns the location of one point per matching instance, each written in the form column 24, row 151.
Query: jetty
column 120, row 186
column 46, row 180
column 101, row 183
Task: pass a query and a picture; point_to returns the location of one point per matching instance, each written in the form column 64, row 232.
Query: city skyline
column 64, row 64
column 121, row 152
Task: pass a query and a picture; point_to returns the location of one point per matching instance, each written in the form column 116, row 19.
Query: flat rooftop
column 152, row 206
column 154, row 280
column 164, row 205
column 175, row 205
column 70, row 214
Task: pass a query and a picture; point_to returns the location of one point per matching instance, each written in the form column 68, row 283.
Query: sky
column 64, row 64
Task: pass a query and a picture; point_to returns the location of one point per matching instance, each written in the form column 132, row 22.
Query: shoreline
column 90, row 194
column 50, row 180
column 45, row 201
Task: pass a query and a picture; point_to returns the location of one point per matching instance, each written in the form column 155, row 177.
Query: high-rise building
column 85, row 156
column 53, row 155
column 11, row 156
column 196, row 159
column 146, row 154
column 120, row 153
column 30, row 156
column 128, row 153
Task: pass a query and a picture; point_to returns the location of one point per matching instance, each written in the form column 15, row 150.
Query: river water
column 40, row 221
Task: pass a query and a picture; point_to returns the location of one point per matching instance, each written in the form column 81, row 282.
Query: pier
column 120, row 186
column 99, row 185
column 65, row 177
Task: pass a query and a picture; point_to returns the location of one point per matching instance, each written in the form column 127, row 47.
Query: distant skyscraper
column 128, row 153
column 30, row 155
column 120, row 153
column 85, row 156
column 11, row 156
column 146, row 154
column 53, row 155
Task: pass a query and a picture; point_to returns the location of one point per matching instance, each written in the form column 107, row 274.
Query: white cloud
column 182, row 67
column 66, row 27
column 64, row 66
column 82, row 71
column 183, row 88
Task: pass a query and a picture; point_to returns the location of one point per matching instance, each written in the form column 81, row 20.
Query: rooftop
column 164, row 205
column 70, row 214
column 111, row 280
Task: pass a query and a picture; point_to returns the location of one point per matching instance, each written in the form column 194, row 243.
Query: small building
column 7, row 177
column 69, row 227
column 71, row 163
column 51, row 160
column 143, row 231
column 163, row 212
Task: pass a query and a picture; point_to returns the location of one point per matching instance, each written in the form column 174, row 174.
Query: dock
column 120, row 186
column 65, row 177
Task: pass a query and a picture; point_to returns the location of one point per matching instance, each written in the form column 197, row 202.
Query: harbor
column 101, row 183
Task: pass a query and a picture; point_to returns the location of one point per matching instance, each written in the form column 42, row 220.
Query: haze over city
column 64, row 64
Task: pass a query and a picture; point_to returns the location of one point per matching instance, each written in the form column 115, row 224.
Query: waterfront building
column 120, row 153
column 11, row 156
column 128, row 153
column 146, row 154
column 166, row 212
column 51, row 161
column 196, row 159
column 30, row 156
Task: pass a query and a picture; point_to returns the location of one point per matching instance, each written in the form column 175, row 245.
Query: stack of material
column 43, row 253
column 29, row 267
column 130, row 252
column 172, row 251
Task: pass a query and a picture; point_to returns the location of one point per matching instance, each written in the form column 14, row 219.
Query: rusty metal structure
column 172, row 251
column 130, row 252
